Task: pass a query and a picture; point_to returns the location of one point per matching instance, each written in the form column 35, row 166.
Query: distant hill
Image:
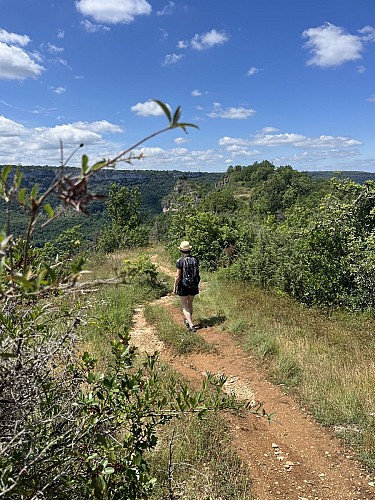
column 359, row 177
column 154, row 185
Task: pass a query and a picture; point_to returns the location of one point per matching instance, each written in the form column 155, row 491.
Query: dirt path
column 291, row 458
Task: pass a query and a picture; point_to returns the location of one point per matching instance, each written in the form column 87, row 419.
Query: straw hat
column 185, row 246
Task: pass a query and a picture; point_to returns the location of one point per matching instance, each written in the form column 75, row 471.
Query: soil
column 293, row 457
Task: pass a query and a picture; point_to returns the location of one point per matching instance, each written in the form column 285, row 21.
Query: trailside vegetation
column 311, row 239
column 73, row 426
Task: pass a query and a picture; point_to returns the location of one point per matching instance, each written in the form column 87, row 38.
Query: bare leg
column 187, row 308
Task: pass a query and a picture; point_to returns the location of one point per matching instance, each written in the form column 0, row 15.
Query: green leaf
column 5, row 172
column 21, row 195
column 50, row 211
column 165, row 108
column 98, row 165
column 108, row 470
column 18, row 179
column 34, row 191
column 177, row 115
column 184, row 125
column 85, row 163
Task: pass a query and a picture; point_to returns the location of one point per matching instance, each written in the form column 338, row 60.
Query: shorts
column 183, row 291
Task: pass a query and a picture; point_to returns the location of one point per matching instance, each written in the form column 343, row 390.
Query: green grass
column 179, row 337
column 327, row 362
column 109, row 311
column 204, row 465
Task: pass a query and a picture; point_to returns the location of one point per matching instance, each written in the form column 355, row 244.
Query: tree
column 125, row 230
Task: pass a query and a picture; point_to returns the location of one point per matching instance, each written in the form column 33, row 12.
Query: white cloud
column 9, row 128
column 182, row 44
column 268, row 139
column 171, row 59
column 371, row 98
column 60, row 33
column 101, row 127
column 332, row 46
column 16, row 64
column 229, row 141
column 41, row 145
column 240, row 113
column 53, row 49
column 361, row 69
column 252, row 71
column 113, row 11
column 58, row 90
column 368, row 33
column 181, row 140
column 63, row 62
column 167, row 10
column 196, row 93
column 93, row 28
column 13, row 38
column 148, row 108
column 208, row 40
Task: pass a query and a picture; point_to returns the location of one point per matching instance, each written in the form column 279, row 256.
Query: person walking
column 186, row 283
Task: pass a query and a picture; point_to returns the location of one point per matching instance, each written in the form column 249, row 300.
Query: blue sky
column 288, row 81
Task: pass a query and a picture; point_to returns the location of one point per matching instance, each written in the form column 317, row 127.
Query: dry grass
column 328, row 362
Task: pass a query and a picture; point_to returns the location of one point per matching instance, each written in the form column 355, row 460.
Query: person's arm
column 177, row 279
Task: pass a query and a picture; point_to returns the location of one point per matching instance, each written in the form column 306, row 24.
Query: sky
column 288, row 81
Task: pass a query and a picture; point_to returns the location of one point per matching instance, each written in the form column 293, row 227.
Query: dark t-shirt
column 181, row 289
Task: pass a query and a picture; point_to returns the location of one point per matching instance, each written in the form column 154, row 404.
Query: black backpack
column 190, row 272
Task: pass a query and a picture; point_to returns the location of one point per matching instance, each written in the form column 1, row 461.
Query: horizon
column 284, row 82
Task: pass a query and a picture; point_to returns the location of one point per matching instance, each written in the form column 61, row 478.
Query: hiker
column 186, row 282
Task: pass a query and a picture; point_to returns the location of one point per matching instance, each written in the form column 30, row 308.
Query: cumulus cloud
column 196, row 93
column 16, row 63
column 240, row 113
column 371, row 98
column 171, row 59
column 113, row 11
column 148, row 108
column 208, row 40
column 101, row 127
column 181, row 140
column 19, row 144
column 9, row 128
column 204, row 41
column 332, row 46
column 13, row 38
column 60, row 33
column 270, row 139
column 167, row 10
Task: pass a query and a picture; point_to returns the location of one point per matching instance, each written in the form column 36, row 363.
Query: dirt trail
column 293, row 457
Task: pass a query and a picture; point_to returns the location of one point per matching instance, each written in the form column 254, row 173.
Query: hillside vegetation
column 290, row 262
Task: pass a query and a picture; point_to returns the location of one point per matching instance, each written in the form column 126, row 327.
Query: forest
column 81, row 416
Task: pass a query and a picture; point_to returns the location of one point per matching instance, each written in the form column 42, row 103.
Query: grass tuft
column 176, row 336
